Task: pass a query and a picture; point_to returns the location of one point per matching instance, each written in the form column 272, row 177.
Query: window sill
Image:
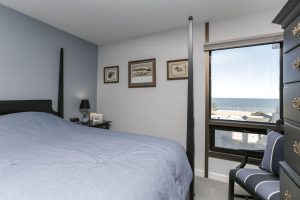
column 232, row 157
column 241, row 124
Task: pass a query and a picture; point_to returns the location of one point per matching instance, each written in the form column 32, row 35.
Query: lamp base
column 85, row 118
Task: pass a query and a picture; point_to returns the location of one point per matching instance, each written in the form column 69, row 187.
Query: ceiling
column 105, row 21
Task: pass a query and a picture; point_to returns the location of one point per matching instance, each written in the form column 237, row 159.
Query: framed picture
column 91, row 116
column 98, row 118
column 178, row 69
column 111, row 74
column 142, row 73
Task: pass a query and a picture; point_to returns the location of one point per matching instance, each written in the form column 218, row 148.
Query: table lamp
column 85, row 109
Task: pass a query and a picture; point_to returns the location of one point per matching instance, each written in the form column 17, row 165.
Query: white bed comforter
column 43, row 157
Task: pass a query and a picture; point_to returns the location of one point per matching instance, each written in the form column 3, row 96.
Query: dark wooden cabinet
column 289, row 18
column 103, row 125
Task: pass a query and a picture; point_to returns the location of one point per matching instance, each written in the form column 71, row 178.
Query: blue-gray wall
column 29, row 62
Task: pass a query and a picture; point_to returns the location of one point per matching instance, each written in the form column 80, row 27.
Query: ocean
column 243, row 104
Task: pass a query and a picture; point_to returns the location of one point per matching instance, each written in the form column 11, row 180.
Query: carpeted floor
column 207, row 189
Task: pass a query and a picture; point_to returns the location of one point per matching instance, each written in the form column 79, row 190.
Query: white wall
column 161, row 111
column 244, row 26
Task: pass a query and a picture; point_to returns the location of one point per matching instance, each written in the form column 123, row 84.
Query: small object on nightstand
column 98, row 118
column 91, row 116
column 75, row 120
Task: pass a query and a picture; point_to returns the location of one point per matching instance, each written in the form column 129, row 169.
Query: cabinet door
column 288, row 189
column 291, row 69
column 292, row 146
column 292, row 35
column 291, row 102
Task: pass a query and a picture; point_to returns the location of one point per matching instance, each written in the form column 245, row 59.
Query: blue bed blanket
column 43, row 157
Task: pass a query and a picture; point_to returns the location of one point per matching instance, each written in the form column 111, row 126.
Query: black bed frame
column 190, row 140
column 15, row 106
column 7, row 107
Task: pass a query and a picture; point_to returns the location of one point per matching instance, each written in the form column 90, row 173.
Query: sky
column 248, row 72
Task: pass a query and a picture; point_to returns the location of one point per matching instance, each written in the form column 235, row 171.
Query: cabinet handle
column 287, row 195
column 296, row 103
column 296, row 64
column 297, row 148
column 296, row 30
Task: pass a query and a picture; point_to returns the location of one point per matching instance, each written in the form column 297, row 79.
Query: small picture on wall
column 178, row 69
column 111, row 74
column 142, row 73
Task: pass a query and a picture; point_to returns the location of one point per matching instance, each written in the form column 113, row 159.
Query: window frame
column 240, row 126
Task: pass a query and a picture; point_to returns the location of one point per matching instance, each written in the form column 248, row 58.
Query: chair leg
column 231, row 189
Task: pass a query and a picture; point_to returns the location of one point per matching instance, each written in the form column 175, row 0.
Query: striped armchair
column 261, row 183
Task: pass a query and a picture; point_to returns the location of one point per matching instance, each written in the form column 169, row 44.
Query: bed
column 45, row 157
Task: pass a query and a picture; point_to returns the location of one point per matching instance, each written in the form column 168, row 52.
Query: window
column 239, row 140
column 245, row 83
column 245, row 91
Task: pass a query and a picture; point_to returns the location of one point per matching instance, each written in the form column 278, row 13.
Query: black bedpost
column 60, row 103
column 190, row 143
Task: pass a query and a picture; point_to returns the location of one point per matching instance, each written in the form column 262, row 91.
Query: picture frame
column 97, row 117
column 91, row 116
column 142, row 73
column 111, row 74
column 178, row 69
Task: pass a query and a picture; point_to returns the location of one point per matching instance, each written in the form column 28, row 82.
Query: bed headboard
column 15, row 106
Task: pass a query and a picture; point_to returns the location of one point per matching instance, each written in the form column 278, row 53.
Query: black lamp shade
column 84, row 104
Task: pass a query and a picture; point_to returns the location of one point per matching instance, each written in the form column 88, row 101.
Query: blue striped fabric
column 258, row 181
column 268, row 190
column 274, row 153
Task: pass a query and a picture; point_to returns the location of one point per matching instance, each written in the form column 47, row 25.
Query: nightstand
column 103, row 125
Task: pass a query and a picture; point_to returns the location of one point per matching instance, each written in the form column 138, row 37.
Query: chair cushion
column 258, row 181
column 274, row 153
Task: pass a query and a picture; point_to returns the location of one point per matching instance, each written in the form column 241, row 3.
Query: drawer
column 291, row 69
column 292, row 35
column 292, row 146
column 288, row 189
column 291, row 102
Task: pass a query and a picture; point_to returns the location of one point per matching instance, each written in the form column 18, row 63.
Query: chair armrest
column 248, row 153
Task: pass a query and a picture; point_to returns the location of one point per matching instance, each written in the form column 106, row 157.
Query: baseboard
column 212, row 175
column 218, row 177
column 199, row 172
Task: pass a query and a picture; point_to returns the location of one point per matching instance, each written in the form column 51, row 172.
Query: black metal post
column 60, row 103
column 190, row 144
